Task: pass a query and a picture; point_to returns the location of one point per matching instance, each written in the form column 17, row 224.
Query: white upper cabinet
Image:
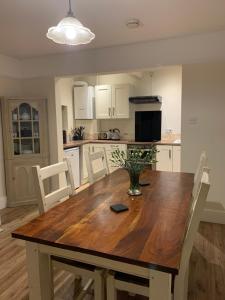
column 103, row 101
column 120, row 101
column 84, row 102
column 112, row 101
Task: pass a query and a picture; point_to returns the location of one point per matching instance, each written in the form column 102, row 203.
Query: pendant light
column 70, row 31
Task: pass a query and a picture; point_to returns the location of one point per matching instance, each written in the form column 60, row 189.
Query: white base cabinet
column 109, row 148
column 168, row 158
column 176, row 158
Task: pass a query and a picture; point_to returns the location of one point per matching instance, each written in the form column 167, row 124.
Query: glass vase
column 135, row 189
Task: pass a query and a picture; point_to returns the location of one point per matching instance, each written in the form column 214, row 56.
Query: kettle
column 115, row 134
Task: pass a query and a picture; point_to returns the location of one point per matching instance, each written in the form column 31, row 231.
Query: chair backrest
column 102, row 167
column 194, row 218
column 46, row 201
column 199, row 171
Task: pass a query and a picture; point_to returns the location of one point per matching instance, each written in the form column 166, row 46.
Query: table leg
column 159, row 285
column 39, row 273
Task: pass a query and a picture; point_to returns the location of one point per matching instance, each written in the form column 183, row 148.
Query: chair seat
column 74, row 263
column 132, row 279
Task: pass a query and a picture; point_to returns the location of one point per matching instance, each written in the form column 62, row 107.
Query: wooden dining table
column 145, row 241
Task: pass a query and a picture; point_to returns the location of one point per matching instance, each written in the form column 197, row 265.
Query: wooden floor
column 207, row 267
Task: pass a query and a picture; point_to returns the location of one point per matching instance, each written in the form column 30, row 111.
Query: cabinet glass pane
column 25, row 111
column 36, row 129
column 16, row 145
column 35, row 114
column 15, row 114
column 25, row 129
column 15, row 129
column 26, row 146
column 36, row 146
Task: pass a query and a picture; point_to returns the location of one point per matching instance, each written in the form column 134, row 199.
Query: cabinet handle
column 109, row 111
column 113, row 111
column 170, row 152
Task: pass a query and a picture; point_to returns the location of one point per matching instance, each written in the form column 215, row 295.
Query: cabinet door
column 120, row 102
column 103, row 101
column 176, row 158
column 24, row 128
column 84, row 173
column 83, row 102
column 164, row 158
column 20, row 183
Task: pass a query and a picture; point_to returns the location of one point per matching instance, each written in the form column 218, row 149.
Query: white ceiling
column 23, row 24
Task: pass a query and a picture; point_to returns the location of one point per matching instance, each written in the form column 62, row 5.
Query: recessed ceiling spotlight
column 133, row 23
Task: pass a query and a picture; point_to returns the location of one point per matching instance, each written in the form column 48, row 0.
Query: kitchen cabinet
column 176, row 158
column 112, row 101
column 84, row 173
column 109, row 148
column 164, row 158
column 103, row 101
column 24, row 123
column 168, row 158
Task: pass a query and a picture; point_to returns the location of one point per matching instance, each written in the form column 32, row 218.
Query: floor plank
column 207, row 265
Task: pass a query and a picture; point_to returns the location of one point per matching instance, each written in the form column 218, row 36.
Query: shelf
column 27, row 138
column 17, row 121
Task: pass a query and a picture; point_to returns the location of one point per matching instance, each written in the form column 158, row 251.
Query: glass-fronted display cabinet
column 25, row 129
column 25, row 135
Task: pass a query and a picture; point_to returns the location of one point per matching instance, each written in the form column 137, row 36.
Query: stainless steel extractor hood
column 145, row 99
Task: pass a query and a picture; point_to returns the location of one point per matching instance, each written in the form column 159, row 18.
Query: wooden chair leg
column 110, row 287
column 181, row 286
column 77, row 286
column 99, row 287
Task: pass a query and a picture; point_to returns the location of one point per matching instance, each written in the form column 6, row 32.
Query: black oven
column 148, row 126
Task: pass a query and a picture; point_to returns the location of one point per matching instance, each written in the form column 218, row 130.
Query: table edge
column 173, row 271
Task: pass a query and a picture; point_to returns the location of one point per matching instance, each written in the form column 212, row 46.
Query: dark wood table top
column 150, row 234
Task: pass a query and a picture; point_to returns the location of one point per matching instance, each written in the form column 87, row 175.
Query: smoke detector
column 133, row 23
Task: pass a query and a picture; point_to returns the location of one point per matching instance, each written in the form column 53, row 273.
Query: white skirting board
column 214, row 216
column 3, row 202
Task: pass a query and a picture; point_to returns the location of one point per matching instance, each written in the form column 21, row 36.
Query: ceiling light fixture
column 70, row 31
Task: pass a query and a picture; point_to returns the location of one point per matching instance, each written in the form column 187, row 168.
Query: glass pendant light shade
column 70, row 31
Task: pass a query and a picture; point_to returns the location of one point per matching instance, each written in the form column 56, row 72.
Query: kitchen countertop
column 165, row 141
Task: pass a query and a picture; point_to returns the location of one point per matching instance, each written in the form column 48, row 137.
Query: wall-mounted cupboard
column 112, row 101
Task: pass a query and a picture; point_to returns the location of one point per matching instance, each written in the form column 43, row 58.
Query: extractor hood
column 145, row 99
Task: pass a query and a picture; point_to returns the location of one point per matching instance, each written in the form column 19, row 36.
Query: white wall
column 203, row 126
column 8, row 88
column 10, row 67
column 189, row 49
column 64, row 93
column 166, row 82
column 45, row 88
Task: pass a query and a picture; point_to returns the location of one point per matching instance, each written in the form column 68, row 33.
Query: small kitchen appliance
column 115, row 134
column 104, row 135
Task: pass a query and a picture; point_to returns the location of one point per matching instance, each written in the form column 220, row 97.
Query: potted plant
column 134, row 161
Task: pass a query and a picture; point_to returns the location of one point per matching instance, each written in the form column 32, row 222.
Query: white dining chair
column 203, row 161
column 136, row 285
column 97, row 165
column 47, row 201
